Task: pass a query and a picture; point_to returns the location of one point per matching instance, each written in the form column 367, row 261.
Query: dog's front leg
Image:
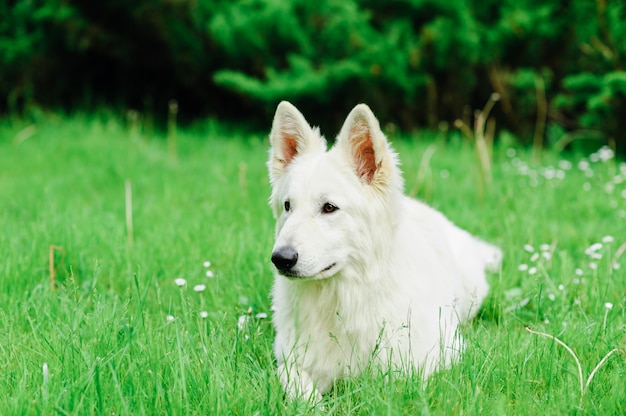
column 297, row 383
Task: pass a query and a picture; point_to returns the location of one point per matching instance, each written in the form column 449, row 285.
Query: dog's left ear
column 366, row 146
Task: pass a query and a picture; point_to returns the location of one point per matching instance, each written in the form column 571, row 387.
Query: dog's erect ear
column 366, row 146
column 291, row 136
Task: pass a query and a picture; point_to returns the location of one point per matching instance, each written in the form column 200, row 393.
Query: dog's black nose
column 284, row 258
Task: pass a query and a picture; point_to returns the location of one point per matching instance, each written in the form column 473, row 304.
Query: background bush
column 416, row 62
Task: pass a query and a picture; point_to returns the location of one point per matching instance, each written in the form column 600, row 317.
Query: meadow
column 135, row 275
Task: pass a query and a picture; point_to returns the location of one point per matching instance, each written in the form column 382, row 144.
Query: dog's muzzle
column 284, row 258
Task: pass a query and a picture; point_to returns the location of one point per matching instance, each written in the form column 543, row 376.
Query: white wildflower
column 261, row 315
column 207, row 264
column 579, row 272
column 529, row 248
column 593, row 248
column 203, row 314
column 561, row 287
column 608, row 305
column 46, row 374
column 607, row 239
column 169, row 318
column 593, row 266
column 199, row 288
column 565, row 164
column 241, row 322
column 522, row 267
column 546, row 255
column 532, row 271
column 551, row 296
column 210, row 274
column 180, row 282
column 544, row 247
column 583, row 165
column 605, row 153
column 534, row 257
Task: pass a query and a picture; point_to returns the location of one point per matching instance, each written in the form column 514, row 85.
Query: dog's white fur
column 380, row 279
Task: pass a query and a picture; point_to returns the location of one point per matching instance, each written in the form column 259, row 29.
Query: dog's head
column 329, row 204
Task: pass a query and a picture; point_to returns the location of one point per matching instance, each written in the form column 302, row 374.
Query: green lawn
column 119, row 336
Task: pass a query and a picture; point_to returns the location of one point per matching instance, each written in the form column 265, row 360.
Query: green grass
column 118, row 336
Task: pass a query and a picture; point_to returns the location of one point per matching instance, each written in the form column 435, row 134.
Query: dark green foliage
column 416, row 62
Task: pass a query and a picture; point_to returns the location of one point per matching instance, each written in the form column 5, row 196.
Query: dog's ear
column 366, row 146
column 291, row 136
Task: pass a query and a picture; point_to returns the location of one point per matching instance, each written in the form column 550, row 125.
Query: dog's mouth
column 321, row 274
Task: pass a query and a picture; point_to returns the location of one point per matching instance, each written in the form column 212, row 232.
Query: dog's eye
column 287, row 206
column 328, row 208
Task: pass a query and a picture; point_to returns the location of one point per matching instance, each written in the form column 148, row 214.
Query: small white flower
column 546, row 321
column 210, row 274
column 561, row 287
column 203, row 314
column 46, row 374
column 180, row 282
column 607, row 239
column 596, row 256
column 546, row 255
column 593, row 248
column 593, row 266
column 199, row 288
column 560, row 174
column 583, row 165
column 576, row 301
column 241, row 322
column 551, row 296
column 522, row 267
column 565, row 164
column 579, row 272
column 608, row 305
column 534, row 257
column 605, row 153
column 544, row 247
column 261, row 315
column 576, row 281
column 169, row 318
column 529, row 248
column 207, row 264
column 532, row 271
column 616, row 266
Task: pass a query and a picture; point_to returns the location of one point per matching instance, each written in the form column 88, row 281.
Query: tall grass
column 137, row 321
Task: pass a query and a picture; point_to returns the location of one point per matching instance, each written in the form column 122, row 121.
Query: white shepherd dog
column 365, row 274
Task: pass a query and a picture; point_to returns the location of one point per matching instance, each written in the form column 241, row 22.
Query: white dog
column 365, row 275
